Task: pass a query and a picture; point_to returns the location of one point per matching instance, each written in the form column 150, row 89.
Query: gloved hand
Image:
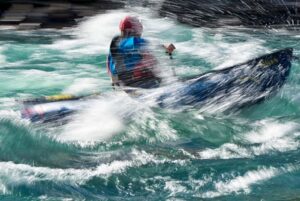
column 169, row 48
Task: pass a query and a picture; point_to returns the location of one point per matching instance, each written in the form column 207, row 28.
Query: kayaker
column 130, row 62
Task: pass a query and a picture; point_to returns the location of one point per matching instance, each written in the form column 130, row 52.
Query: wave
column 242, row 184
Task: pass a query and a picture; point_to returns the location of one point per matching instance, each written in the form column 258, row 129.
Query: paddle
column 56, row 98
column 69, row 97
column 169, row 50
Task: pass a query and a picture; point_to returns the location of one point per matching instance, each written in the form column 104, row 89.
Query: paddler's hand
column 169, row 48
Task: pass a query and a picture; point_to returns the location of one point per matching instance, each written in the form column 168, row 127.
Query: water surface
column 122, row 149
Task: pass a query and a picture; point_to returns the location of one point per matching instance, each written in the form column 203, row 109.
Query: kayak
column 244, row 84
column 51, row 108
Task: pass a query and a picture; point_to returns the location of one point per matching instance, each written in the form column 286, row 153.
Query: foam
column 279, row 145
column 178, row 187
column 226, row 151
column 270, row 130
column 16, row 174
column 99, row 122
column 230, row 150
column 14, row 116
column 145, row 122
column 174, row 187
column 271, row 137
column 106, row 117
column 92, row 36
column 3, row 189
column 8, row 102
column 13, row 174
column 243, row 183
column 82, row 85
column 219, row 52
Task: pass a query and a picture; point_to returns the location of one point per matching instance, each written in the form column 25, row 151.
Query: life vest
column 129, row 60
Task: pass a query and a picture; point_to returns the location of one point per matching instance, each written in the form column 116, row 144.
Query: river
column 122, row 149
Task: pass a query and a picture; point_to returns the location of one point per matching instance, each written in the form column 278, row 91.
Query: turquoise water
column 122, row 149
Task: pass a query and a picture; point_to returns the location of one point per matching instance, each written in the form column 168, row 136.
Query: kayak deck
column 252, row 81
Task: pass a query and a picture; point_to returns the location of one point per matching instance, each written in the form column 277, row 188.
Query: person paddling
column 130, row 62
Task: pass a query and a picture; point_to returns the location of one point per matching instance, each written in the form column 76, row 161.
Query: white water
column 117, row 120
column 271, row 136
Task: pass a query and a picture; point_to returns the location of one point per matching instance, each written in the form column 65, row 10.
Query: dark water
column 122, row 149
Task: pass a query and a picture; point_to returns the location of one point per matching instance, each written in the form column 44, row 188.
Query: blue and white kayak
column 251, row 81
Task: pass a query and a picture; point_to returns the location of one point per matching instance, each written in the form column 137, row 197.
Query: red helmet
column 131, row 25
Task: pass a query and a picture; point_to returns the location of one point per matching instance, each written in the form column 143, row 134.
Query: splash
column 243, row 183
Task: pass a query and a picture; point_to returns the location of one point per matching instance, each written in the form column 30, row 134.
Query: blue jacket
column 128, row 49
